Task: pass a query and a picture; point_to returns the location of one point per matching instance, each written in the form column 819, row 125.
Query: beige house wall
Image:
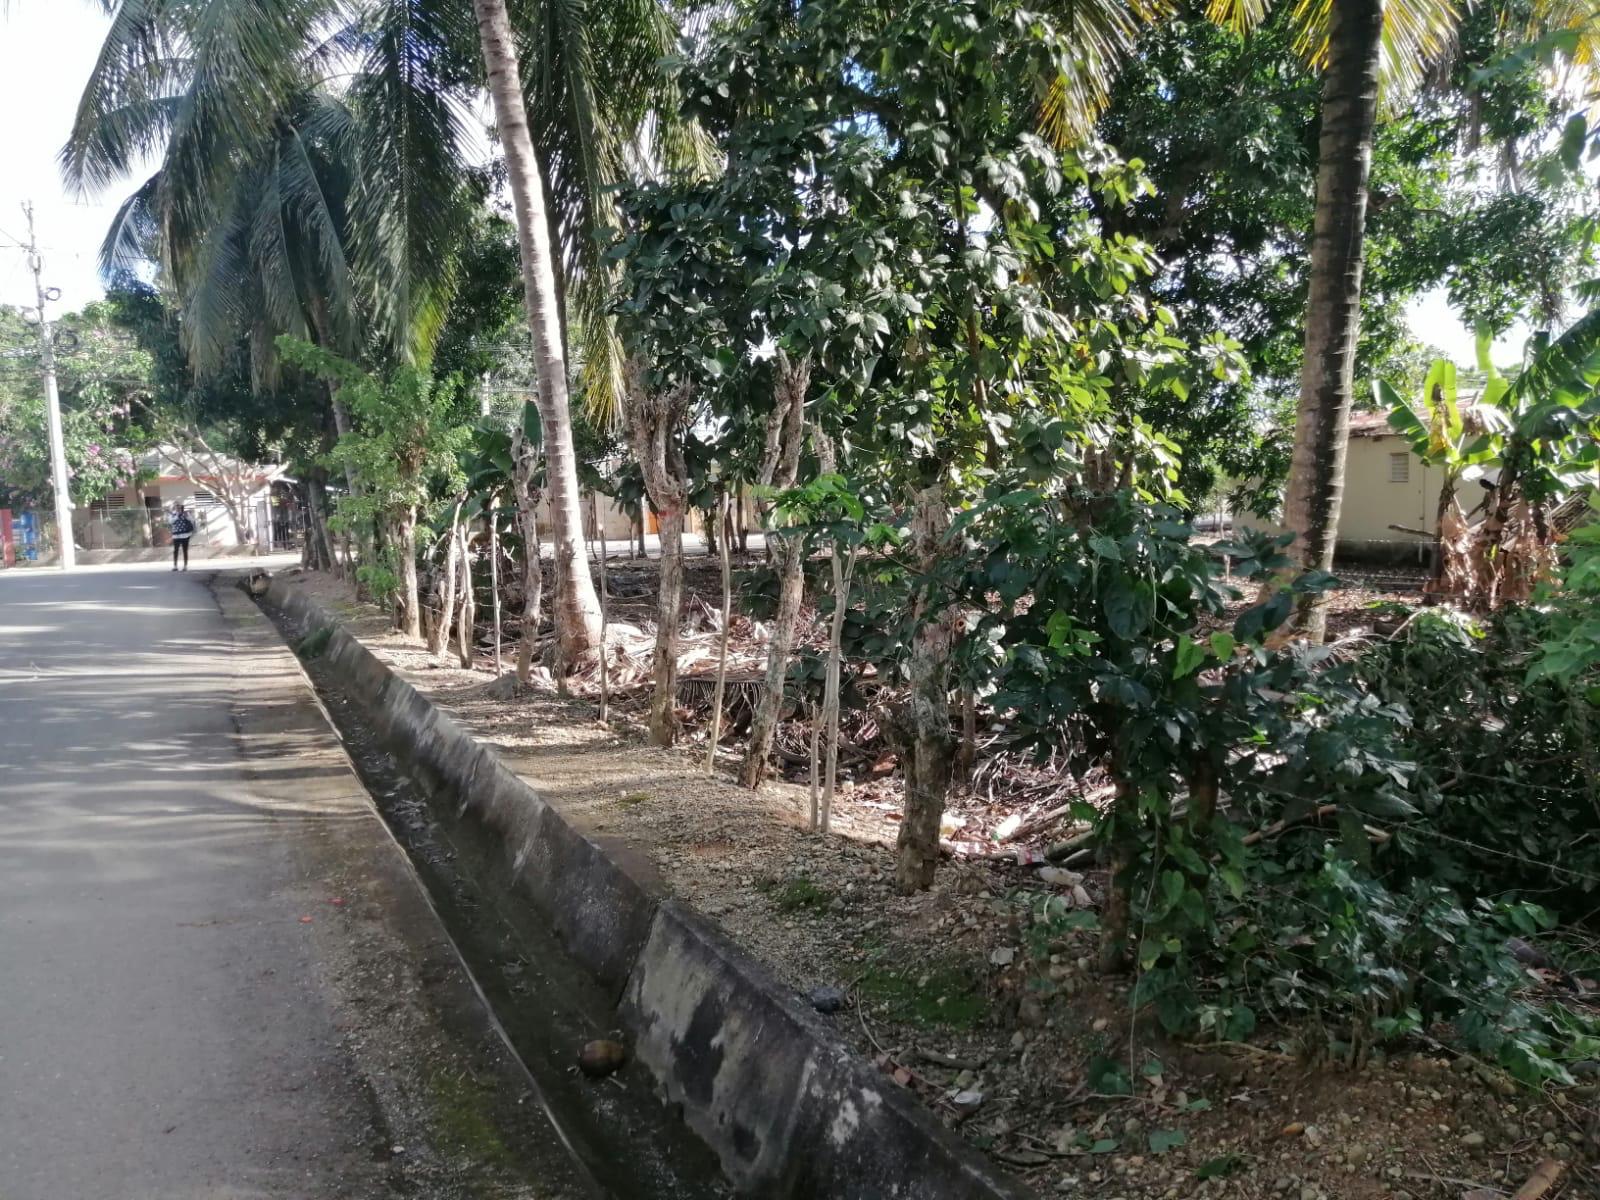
column 1374, row 501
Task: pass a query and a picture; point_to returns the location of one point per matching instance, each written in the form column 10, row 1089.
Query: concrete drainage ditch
column 568, row 944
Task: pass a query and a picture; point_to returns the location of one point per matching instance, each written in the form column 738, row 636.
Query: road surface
column 217, row 980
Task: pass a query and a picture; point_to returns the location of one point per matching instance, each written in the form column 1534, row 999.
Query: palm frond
column 1094, row 41
column 408, row 207
column 1416, row 33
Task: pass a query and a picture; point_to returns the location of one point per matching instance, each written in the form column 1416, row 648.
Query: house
column 1391, row 498
column 234, row 505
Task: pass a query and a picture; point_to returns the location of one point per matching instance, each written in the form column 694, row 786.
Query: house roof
column 1370, row 425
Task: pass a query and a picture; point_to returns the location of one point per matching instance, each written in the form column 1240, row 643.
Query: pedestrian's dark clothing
column 182, row 531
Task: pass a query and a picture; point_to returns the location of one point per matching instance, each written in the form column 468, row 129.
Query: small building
column 135, row 516
column 1391, row 498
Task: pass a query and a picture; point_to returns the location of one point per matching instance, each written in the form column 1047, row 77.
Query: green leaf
column 1121, row 607
column 1104, row 1146
column 1189, row 657
column 1220, row 1167
column 1385, row 804
column 1223, row 645
column 1105, row 547
column 1162, row 1140
column 1573, row 139
column 1108, row 1076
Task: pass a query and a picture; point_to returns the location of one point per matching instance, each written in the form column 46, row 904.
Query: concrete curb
column 791, row 1112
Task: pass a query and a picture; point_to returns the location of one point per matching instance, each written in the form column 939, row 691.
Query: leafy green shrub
column 1506, row 776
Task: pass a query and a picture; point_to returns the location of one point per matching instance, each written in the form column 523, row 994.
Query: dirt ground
column 1005, row 1038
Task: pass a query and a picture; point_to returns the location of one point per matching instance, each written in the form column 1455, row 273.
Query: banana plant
column 1462, row 446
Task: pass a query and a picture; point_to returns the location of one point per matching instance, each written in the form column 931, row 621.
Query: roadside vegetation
column 971, row 311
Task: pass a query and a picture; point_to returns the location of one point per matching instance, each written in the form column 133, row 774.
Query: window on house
column 107, row 505
column 204, row 499
column 1399, row 468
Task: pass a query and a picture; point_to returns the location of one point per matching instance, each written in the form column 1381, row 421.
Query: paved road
column 169, row 1026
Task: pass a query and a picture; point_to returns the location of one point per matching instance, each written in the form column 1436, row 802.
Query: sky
column 47, row 49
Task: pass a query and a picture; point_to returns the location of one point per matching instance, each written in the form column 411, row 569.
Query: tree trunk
column 929, row 747
column 494, row 582
column 789, row 555
column 780, row 468
column 655, row 421
column 577, row 616
column 444, row 620
column 1333, row 309
column 725, row 549
column 524, row 456
column 669, row 610
column 317, row 522
column 410, row 622
column 844, row 569
column 146, row 534
column 605, row 616
column 467, row 615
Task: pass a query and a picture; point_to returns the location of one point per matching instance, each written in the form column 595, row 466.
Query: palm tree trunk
column 577, row 614
column 1333, row 309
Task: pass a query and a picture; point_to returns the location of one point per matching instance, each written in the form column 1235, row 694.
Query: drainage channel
column 630, row 1144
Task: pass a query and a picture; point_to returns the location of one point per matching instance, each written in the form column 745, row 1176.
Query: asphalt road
column 170, row 1025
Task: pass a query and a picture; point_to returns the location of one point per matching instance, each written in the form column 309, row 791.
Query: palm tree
column 1333, row 307
column 243, row 96
column 576, row 604
column 1354, row 43
column 282, row 204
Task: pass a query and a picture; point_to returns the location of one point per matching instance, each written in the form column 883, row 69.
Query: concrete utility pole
column 52, row 401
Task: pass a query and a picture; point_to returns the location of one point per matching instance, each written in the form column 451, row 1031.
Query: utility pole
column 52, row 400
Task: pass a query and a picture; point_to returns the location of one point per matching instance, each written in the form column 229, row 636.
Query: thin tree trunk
column 844, row 569
column 494, row 583
column 726, row 555
column 663, row 717
column 789, row 554
column 605, row 616
column 444, row 621
column 1116, row 918
column 816, row 770
column 655, row 421
column 466, row 618
column 967, row 757
column 780, row 468
column 1333, row 309
column 410, row 593
column 577, row 607
column 523, row 457
column 929, row 748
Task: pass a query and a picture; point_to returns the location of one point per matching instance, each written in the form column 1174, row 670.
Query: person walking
column 182, row 527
